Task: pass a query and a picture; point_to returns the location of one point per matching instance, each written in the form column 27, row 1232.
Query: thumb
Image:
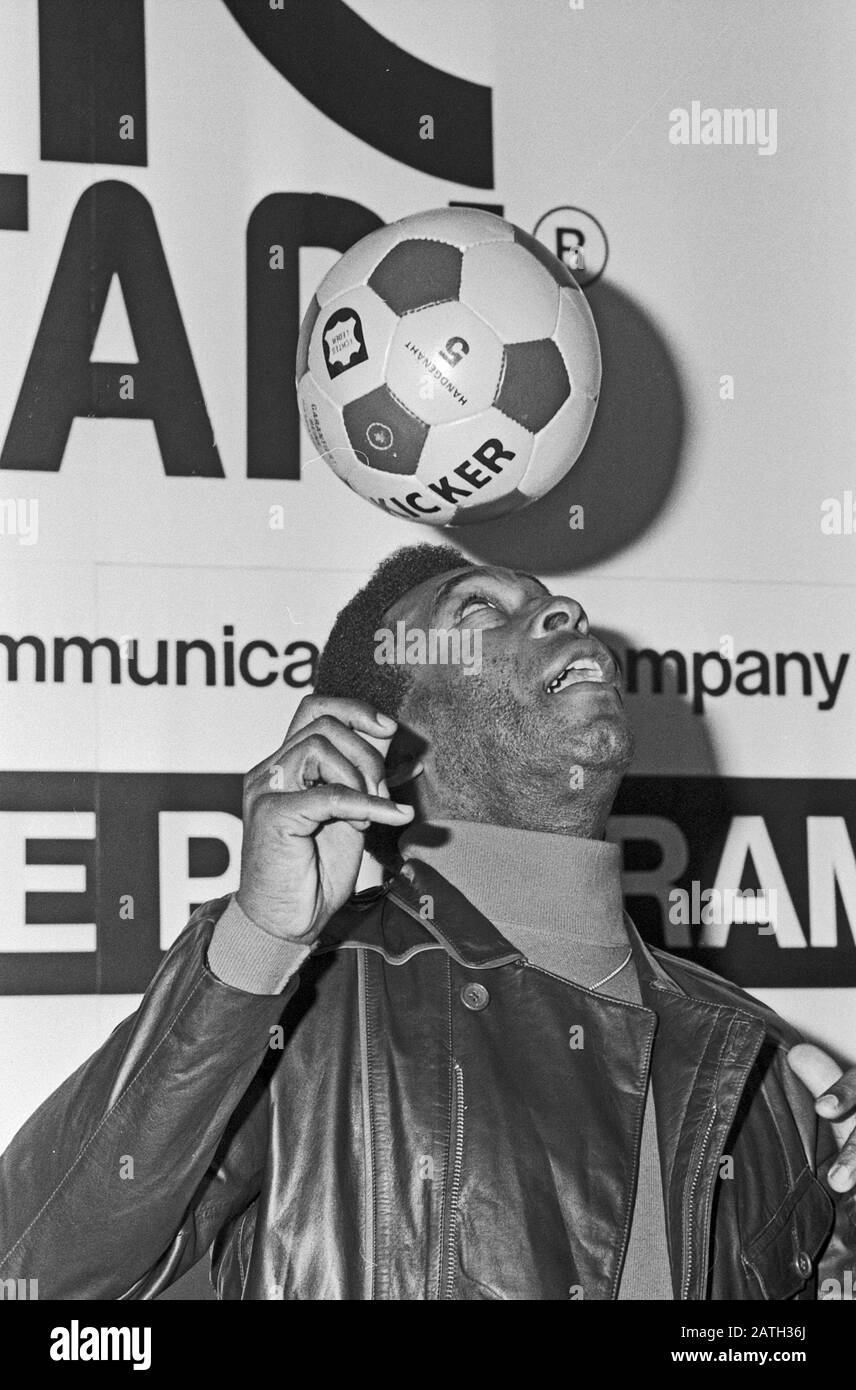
column 818, row 1071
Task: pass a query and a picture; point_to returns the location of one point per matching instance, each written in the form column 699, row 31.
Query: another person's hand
column 306, row 810
column 835, row 1100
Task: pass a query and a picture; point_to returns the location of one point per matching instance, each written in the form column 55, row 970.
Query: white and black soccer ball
column 448, row 367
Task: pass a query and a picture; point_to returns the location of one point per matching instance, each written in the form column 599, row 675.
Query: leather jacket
column 422, row 1114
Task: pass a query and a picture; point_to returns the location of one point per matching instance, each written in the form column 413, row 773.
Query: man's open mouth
column 582, row 668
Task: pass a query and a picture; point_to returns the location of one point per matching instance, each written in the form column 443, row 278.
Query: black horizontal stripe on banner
column 673, row 831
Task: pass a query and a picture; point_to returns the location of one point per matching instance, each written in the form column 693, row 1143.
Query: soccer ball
column 448, row 367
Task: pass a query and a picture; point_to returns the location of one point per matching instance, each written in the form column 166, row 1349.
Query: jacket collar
column 453, row 921
column 471, row 938
column 448, row 919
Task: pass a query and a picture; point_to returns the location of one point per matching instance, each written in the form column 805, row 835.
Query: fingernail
column 829, row 1104
column 385, row 719
column 382, row 788
column 402, row 807
column 835, row 1175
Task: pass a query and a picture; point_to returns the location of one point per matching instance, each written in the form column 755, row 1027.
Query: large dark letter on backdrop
column 287, row 220
column 375, row 89
column 92, row 77
column 112, row 232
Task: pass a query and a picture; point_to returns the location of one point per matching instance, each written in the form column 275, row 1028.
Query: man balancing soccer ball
column 472, row 1082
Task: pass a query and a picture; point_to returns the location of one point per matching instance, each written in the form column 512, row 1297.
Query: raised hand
column 306, row 810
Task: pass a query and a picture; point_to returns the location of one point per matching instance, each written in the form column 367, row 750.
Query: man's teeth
column 585, row 668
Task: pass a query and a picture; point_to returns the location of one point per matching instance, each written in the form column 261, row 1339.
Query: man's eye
column 473, row 603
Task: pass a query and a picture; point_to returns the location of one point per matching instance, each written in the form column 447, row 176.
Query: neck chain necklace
column 612, row 974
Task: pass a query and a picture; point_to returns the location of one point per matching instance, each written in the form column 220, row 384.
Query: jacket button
column 803, row 1264
column 475, row 997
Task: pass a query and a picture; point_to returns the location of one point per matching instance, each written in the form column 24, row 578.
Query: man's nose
column 558, row 613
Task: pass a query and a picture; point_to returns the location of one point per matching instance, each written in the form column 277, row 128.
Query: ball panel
column 558, row 446
column 310, row 318
column 400, row 496
column 557, row 268
column 416, row 273
column 479, row 459
column 326, row 428
column 460, row 226
column 385, row 435
column 349, row 344
column 356, row 264
column 444, row 363
column 535, row 383
column 511, row 291
column 577, row 340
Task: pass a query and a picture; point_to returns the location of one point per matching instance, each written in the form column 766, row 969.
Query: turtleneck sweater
column 558, row 899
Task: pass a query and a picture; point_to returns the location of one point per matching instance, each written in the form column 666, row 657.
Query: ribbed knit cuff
column 248, row 958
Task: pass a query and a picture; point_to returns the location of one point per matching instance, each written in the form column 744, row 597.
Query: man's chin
column 604, row 742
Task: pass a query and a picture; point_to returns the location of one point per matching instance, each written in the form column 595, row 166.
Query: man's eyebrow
column 478, row 571
column 449, row 584
column 534, row 580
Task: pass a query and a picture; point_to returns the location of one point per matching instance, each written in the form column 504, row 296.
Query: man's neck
column 568, row 887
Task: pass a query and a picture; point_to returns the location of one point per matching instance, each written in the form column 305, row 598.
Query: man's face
column 546, row 700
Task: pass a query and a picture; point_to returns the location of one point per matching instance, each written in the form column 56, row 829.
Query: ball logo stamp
column 380, row 436
column 344, row 342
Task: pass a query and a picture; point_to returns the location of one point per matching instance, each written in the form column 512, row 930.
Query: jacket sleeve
column 123, row 1177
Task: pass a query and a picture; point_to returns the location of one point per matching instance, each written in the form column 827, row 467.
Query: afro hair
column 346, row 666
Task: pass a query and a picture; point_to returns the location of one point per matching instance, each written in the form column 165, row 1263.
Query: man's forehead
column 430, row 588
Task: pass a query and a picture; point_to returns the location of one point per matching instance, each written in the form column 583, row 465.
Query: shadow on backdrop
column 628, row 466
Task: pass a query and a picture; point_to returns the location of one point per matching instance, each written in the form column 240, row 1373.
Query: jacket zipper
column 689, row 1206
column 456, row 1153
column 368, row 1127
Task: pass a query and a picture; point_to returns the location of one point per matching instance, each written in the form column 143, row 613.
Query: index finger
column 378, row 729
column 356, row 714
